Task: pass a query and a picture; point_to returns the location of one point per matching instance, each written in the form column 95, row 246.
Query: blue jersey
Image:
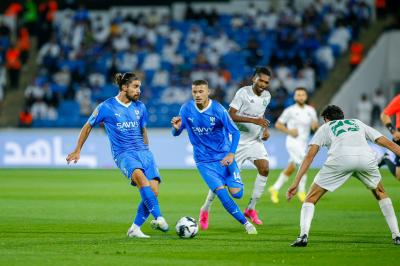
column 123, row 123
column 208, row 131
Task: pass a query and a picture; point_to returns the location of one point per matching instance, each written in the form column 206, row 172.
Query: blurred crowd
column 81, row 49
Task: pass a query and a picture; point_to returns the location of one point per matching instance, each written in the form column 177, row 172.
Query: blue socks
column 142, row 214
column 230, row 205
column 150, row 201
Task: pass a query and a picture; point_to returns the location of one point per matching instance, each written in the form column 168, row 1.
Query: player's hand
column 176, row 122
column 261, row 122
column 293, row 132
column 265, row 135
column 292, row 190
column 396, row 135
column 228, row 160
column 73, row 156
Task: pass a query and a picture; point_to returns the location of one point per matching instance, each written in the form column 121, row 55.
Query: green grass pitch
column 80, row 217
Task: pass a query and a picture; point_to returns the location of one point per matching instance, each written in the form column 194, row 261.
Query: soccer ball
column 187, row 227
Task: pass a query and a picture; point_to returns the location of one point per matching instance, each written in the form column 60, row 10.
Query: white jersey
column 300, row 118
column 346, row 137
column 249, row 104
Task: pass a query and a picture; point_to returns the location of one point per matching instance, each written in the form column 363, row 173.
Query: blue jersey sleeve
column 183, row 125
column 97, row 116
column 232, row 129
column 145, row 117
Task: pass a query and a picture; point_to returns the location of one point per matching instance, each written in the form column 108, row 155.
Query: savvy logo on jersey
column 127, row 125
column 202, row 130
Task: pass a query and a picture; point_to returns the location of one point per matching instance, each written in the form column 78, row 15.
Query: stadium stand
column 83, row 48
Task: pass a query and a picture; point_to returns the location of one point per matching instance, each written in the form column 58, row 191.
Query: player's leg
column 394, row 167
column 207, row 203
column 371, row 178
column 385, row 203
column 233, row 181
column 214, row 175
column 332, row 175
column 205, row 210
column 149, row 199
column 142, row 212
column 301, row 193
column 231, row 207
column 127, row 163
column 282, row 179
column 307, row 214
column 262, row 166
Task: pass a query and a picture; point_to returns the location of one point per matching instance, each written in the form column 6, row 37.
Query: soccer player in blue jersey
column 209, row 127
column 125, row 119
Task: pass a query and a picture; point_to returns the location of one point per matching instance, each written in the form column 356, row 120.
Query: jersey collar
column 205, row 109
column 124, row 104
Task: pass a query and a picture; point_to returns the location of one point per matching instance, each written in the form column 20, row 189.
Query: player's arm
column 261, row 121
column 314, row 126
column 388, row 124
column 308, row 159
column 235, row 133
column 145, row 136
column 83, row 135
column 392, row 108
column 265, row 134
column 177, row 127
column 390, row 145
column 282, row 127
column 231, row 154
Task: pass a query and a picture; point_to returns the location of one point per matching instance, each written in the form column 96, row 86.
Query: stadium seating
column 92, row 44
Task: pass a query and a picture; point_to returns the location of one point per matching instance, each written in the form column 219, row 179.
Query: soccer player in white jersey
column 348, row 154
column 247, row 110
column 296, row 121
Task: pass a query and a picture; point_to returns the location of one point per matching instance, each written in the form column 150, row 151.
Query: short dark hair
column 124, row 79
column 199, row 82
column 301, row 89
column 262, row 70
column 332, row 112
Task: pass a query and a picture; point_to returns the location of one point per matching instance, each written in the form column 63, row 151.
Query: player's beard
column 301, row 103
column 133, row 98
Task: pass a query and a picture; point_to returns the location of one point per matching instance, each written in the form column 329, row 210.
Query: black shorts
column 397, row 158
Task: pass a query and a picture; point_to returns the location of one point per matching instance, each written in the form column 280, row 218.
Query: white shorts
column 251, row 152
column 297, row 152
column 335, row 172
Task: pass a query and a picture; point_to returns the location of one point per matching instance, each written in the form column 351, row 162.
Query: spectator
column 39, row 110
column 364, row 109
column 3, row 82
column 13, row 64
column 378, row 104
column 52, row 113
column 25, row 118
column 83, row 96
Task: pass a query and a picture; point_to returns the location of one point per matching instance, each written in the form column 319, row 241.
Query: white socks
column 307, row 213
column 258, row 190
column 282, row 179
column 390, row 216
column 306, row 216
column 207, row 204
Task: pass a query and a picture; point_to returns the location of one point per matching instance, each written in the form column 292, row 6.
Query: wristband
column 390, row 127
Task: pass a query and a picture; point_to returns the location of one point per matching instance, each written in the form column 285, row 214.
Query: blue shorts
column 128, row 162
column 217, row 175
